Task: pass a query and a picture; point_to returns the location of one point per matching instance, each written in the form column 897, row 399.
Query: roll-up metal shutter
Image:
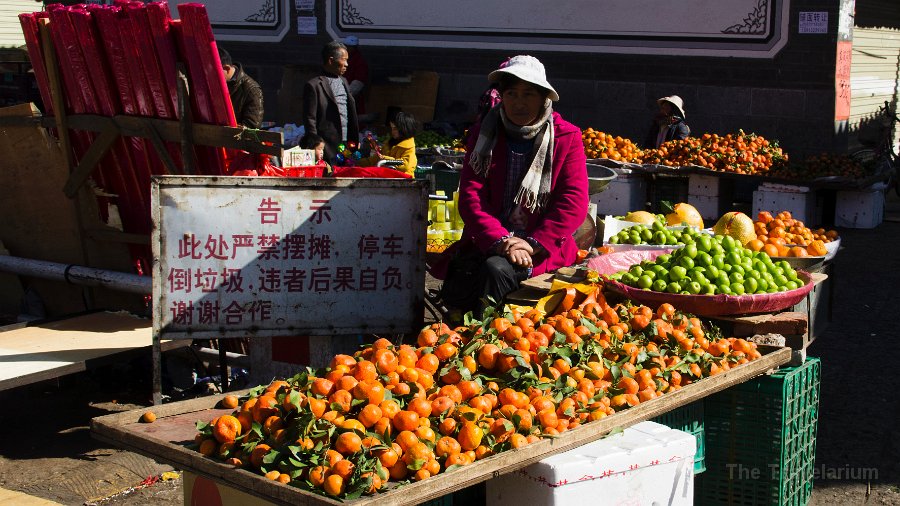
column 10, row 29
column 874, row 76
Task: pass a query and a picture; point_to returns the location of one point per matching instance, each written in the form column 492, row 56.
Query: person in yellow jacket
column 401, row 145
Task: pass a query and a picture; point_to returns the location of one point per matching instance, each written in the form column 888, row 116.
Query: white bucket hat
column 528, row 69
column 676, row 101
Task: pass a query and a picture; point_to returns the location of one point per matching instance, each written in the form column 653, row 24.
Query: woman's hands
column 517, row 250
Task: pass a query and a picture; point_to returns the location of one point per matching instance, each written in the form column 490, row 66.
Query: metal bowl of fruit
column 808, row 263
column 599, row 178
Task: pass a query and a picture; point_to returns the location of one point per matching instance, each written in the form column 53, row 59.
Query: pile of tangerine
column 398, row 413
column 599, row 144
column 783, row 236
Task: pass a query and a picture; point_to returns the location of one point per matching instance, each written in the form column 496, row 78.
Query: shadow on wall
column 877, row 14
column 878, row 127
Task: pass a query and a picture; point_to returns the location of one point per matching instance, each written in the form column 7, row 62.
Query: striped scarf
column 534, row 192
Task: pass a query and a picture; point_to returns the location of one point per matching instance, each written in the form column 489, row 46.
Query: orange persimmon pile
column 398, row 413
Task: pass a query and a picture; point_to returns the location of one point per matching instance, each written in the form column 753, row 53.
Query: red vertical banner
column 842, row 80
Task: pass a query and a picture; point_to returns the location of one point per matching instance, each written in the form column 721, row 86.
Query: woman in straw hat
column 669, row 122
column 523, row 191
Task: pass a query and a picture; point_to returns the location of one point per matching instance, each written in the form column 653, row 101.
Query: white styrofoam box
column 612, row 226
column 707, row 206
column 624, row 194
column 859, row 209
column 703, row 185
column 802, row 205
column 647, row 463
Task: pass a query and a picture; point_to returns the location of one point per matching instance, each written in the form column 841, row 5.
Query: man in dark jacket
column 328, row 106
column 246, row 95
column 669, row 122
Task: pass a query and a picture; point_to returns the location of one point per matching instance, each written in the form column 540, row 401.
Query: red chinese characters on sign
column 179, row 280
column 321, row 208
column 216, row 247
column 268, row 247
column 369, row 246
column 249, row 273
column 189, row 247
column 239, row 241
column 269, row 211
column 182, row 312
column 232, row 280
column 273, row 279
column 206, row 281
column 258, row 311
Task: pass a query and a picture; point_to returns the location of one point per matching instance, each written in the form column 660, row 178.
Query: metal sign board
column 238, row 256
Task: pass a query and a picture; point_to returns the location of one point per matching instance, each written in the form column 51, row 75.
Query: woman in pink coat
column 523, row 191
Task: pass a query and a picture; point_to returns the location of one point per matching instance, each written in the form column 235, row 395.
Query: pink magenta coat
column 481, row 200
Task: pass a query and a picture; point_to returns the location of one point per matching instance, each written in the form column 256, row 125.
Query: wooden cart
column 168, row 440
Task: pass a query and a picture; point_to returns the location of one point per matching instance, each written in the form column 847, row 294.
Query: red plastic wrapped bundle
column 122, row 59
column 195, row 23
column 139, row 25
column 253, row 164
column 158, row 19
column 211, row 160
column 382, row 172
column 79, row 92
column 107, row 21
column 29, row 24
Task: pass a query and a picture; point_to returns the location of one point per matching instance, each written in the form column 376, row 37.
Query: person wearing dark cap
column 669, row 122
column 246, row 94
column 329, row 109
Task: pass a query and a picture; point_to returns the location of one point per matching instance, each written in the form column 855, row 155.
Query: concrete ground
column 46, row 450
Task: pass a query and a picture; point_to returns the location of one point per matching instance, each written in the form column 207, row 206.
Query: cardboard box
column 647, row 463
column 859, row 209
column 417, row 96
column 624, row 194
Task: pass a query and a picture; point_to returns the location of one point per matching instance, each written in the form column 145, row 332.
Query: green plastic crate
column 761, row 439
column 689, row 419
column 422, row 172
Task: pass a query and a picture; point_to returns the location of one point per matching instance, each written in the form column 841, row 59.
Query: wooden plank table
column 166, row 440
column 33, row 353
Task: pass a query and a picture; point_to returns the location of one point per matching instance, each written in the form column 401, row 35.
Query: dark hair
column 310, row 140
column 224, row 57
column 507, row 81
column 333, row 50
column 407, row 126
